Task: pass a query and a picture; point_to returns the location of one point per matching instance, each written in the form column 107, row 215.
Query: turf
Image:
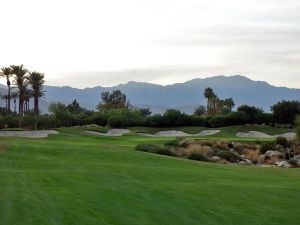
column 153, row 130
column 73, row 178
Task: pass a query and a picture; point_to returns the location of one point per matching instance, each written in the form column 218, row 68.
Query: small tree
column 200, row 111
column 285, row 112
column 145, row 111
column 114, row 100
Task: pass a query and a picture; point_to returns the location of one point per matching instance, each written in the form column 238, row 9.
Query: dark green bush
column 198, row 121
column 264, row 147
column 282, row 141
column 229, row 156
column 11, row 121
column 45, row 121
column 27, row 122
column 154, row 149
column 174, row 142
column 199, row 157
column 293, row 162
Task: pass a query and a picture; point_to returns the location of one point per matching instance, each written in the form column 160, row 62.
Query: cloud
column 89, row 43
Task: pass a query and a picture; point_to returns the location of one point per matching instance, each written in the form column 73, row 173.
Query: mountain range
column 183, row 96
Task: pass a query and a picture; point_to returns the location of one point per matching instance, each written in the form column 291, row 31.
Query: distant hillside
column 184, row 96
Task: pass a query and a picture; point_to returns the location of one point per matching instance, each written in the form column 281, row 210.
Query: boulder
column 271, row 153
column 216, row 158
column 242, row 163
column 284, row 164
column 247, row 161
column 268, row 166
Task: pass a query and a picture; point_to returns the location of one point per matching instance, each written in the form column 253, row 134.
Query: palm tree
column 14, row 96
column 19, row 73
column 36, row 81
column 229, row 103
column 209, row 94
column 7, row 73
column 28, row 96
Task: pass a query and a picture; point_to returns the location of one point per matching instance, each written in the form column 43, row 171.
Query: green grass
column 153, row 130
column 13, row 129
column 97, row 129
column 77, row 179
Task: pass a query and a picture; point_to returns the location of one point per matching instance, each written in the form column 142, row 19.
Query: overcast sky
column 85, row 43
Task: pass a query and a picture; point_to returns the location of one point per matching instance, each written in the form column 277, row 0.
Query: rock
column 242, row 163
column 271, row 153
column 267, row 166
column 216, row 158
column 277, row 163
column 243, row 156
column 284, row 164
column 297, row 157
column 247, row 161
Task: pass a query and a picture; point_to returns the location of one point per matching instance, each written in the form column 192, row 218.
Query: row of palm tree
column 22, row 78
column 216, row 105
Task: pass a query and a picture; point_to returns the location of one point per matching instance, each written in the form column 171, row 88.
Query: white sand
column 28, row 134
column 177, row 133
column 111, row 132
column 257, row 134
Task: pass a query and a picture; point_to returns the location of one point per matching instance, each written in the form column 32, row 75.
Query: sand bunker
column 257, row 134
column 177, row 133
column 28, row 134
column 111, row 132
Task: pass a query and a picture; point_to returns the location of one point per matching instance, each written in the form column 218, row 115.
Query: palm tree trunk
column 15, row 105
column 8, row 99
column 21, row 107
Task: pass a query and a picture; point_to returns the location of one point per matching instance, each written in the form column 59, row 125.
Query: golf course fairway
column 77, row 179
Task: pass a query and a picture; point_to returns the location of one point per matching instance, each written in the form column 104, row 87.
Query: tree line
column 115, row 110
column 27, row 84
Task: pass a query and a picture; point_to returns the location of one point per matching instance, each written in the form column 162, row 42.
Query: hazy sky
column 94, row 42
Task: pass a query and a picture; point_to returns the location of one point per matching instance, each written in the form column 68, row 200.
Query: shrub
column 27, row 122
column 282, row 141
column 252, row 155
column 196, row 148
column 293, row 162
column 229, row 156
column 154, row 149
column 10, row 121
column 198, row 121
column 266, row 147
column 199, row 157
column 229, row 119
column 173, row 142
column 45, row 121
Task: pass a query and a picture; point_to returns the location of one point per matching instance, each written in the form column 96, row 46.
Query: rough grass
column 153, row 130
column 74, row 179
column 97, row 129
